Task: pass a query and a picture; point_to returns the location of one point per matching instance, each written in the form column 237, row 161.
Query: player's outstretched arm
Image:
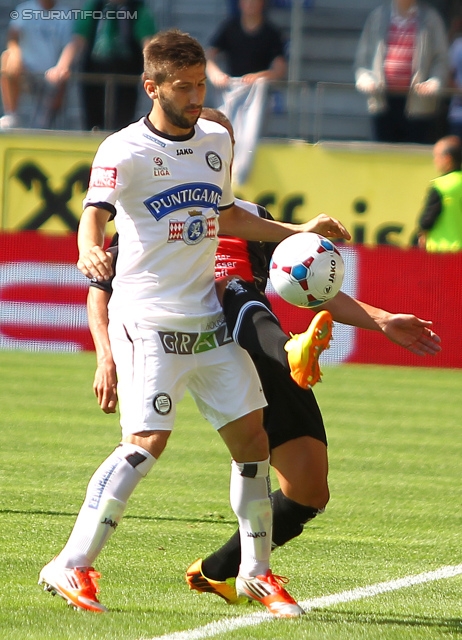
column 105, row 381
column 93, row 261
column 238, row 222
column 406, row 330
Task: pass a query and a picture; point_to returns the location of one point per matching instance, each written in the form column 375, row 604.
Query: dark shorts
column 292, row 412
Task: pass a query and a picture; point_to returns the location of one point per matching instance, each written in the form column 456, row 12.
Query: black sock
column 253, row 326
column 288, row 520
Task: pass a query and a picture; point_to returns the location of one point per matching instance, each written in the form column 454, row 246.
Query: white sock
column 107, row 494
column 250, row 489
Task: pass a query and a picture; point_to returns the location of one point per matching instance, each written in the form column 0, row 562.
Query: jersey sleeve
column 110, row 174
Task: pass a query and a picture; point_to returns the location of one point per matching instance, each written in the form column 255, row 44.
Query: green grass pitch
column 395, row 448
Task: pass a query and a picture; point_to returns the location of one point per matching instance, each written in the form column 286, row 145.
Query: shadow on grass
column 39, row 512
column 450, row 625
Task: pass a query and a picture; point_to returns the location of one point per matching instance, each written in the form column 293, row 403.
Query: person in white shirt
column 167, row 181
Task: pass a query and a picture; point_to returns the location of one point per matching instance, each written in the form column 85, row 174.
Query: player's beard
column 176, row 117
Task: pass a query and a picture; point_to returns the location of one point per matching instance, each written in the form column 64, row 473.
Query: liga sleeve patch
column 103, row 177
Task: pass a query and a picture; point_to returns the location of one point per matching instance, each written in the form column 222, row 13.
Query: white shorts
column 154, row 369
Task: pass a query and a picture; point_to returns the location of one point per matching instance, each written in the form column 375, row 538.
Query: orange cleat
column 304, row 349
column 269, row 591
column 77, row 586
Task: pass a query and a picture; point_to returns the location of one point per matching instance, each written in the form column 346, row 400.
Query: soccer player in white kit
column 166, row 181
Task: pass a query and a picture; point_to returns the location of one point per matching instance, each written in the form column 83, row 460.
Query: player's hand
column 412, row 333
column 326, row 226
column 95, row 263
column 105, row 386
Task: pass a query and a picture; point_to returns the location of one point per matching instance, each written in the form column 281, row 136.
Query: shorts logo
column 161, row 169
column 213, row 160
column 182, row 343
column 162, row 404
column 193, row 230
column 103, row 177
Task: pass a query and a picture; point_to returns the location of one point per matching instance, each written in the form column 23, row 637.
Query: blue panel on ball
column 327, row 244
column 299, row 272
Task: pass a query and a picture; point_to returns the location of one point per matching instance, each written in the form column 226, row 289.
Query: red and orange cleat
column 269, row 591
column 77, row 586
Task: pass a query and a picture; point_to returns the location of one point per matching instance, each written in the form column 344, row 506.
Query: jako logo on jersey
column 184, row 152
column 103, row 177
column 161, row 169
column 193, row 230
column 193, row 194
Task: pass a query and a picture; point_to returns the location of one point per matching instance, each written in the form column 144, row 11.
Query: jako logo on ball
column 306, row 270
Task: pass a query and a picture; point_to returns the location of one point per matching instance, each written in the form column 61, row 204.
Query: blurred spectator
column 34, row 45
column 440, row 223
column 251, row 45
column 454, row 116
column 233, row 8
column 253, row 53
column 110, row 34
column 402, row 65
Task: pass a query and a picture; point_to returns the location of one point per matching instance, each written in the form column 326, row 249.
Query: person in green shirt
column 440, row 223
column 109, row 36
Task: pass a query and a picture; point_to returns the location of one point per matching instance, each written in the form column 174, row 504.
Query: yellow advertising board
column 44, row 179
column 376, row 191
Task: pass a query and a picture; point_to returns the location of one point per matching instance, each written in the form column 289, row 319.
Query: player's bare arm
column 105, row 381
column 93, row 261
column 236, row 221
column 406, row 330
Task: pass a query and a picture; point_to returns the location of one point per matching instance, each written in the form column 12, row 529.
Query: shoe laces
column 276, row 581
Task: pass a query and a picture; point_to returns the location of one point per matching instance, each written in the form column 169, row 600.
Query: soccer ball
column 306, row 270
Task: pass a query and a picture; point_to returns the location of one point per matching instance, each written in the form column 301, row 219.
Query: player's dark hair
column 453, row 149
column 170, row 51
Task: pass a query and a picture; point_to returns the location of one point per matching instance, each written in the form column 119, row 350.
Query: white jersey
column 166, row 193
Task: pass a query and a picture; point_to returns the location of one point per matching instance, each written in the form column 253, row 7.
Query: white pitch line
column 225, row 626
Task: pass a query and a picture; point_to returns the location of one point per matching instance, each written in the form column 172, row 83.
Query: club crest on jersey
column 103, row 177
column 213, row 160
column 183, row 196
column 193, row 230
column 160, row 167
